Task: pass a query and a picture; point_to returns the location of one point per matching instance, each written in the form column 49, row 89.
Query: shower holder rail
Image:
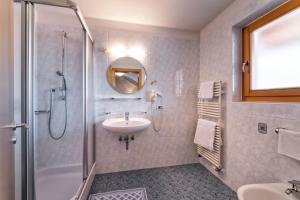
column 38, row 112
column 119, row 98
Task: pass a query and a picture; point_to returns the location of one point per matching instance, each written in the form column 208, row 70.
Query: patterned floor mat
column 131, row 194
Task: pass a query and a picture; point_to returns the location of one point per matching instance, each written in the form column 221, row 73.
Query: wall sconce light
column 136, row 52
column 118, row 51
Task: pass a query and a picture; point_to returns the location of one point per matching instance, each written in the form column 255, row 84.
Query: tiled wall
column 167, row 52
column 48, row 46
column 249, row 157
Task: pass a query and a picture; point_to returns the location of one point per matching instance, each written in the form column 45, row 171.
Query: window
column 271, row 55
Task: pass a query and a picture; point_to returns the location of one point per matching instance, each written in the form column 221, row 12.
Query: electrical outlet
column 262, row 128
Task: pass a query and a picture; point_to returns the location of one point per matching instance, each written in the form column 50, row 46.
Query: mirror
column 126, row 75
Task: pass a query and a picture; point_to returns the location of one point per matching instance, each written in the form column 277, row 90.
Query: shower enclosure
column 57, row 77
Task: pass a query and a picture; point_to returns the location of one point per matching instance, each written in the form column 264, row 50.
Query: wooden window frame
column 272, row 95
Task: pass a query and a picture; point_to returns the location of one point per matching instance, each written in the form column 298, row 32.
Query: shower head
column 64, row 85
column 59, row 73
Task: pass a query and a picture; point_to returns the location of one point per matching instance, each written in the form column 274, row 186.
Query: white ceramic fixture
column 120, row 125
column 269, row 191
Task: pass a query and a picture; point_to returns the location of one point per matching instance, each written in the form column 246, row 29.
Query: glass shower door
column 58, row 105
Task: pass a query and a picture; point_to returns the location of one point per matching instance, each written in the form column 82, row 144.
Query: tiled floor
column 186, row 182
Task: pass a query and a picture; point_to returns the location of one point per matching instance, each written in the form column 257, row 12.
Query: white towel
column 205, row 134
column 289, row 143
column 206, row 90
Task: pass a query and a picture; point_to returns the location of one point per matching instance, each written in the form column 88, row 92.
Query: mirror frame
column 121, row 91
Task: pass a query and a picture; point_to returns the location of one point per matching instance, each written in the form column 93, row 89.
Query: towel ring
column 278, row 129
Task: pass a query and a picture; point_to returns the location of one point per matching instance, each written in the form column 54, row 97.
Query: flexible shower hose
column 50, row 116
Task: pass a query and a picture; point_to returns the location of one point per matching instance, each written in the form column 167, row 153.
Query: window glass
column 275, row 54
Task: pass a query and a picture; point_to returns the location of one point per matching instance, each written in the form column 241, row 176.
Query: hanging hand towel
column 289, row 143
column 205, row 134
column 206, row 90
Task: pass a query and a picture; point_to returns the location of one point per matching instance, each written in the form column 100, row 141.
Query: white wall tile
column 48, row 43
column 165, row 55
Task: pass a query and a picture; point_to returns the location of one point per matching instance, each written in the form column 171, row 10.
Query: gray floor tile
column 185, row 182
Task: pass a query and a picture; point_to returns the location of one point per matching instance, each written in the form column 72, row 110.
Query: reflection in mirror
column 126, row 75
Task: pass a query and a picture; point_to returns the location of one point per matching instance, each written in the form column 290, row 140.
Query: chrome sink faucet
column 295, row 187
column 126, row 116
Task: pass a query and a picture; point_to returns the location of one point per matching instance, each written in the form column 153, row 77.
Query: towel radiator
column 211, row 109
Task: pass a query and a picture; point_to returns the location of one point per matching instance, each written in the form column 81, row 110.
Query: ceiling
column 180, row 14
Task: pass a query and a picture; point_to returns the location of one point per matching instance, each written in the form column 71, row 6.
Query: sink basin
column 120, row 125
column 269, row 191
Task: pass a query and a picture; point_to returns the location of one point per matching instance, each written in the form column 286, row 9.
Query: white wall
column 249, row 157
column 167, row 51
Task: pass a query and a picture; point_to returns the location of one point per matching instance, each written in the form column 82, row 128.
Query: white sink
column 268, row 191
column 120, row 125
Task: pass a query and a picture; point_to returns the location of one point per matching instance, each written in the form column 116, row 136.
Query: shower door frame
column 27, row 52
